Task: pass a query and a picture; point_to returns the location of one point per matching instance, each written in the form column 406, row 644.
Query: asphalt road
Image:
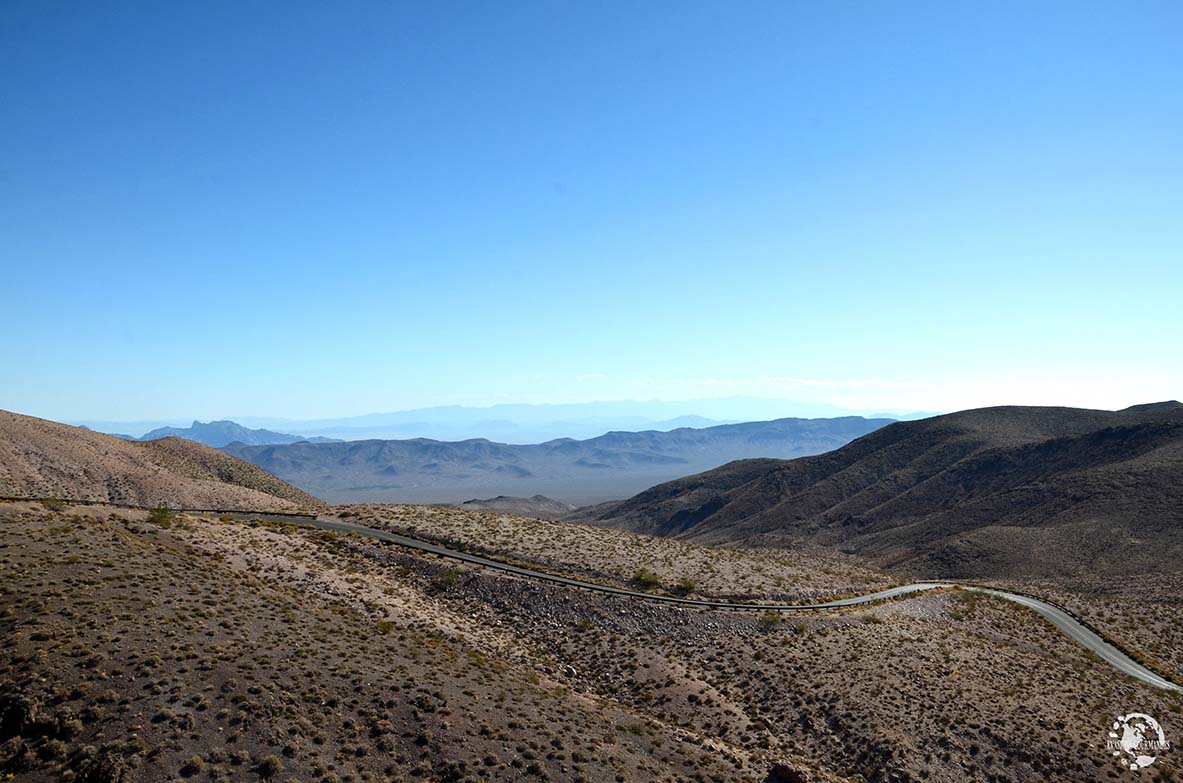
column 1084, row 636
column 1061, row 619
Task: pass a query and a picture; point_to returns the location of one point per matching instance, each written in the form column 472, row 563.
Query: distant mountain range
column 577, row 472
column 524, row 423
column 223, row 433
column 988, row 492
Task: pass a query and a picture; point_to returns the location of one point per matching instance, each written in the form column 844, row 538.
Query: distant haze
column 577, row 472
column 520, row 423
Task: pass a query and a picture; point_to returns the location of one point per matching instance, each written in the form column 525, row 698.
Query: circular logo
column 1136, row 739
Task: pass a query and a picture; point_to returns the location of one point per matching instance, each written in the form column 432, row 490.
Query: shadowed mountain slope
column 993, row 491
column 40, row 458
column 613, row 465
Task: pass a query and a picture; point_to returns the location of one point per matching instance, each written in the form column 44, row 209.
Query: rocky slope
column 988, row 492
column 44, row 459
column 211, row 650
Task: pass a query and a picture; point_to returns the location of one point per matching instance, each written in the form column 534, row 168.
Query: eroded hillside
column 994, row 492
column 44, row 459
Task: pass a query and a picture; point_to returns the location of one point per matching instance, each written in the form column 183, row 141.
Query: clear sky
column 322, row 209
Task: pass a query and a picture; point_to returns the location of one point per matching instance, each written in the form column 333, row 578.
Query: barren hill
column 40, row 458
column 987, row 492
column 538, row 506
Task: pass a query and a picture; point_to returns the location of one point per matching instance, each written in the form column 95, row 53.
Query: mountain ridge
column 525, row 423
column 225, row 432
column 577, row 472
column 973, row 493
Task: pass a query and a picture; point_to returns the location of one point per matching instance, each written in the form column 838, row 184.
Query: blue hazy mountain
column 612, row 465
column 526, row 424
column 223, row 433
column 521, row 423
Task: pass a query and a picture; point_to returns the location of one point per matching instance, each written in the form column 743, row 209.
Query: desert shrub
column 646, row 578
column 685, row 586
column 445, row 580
column 162, row 516
column 769, row 620
column 53, row 504
column 192, row 766
column 270, row 766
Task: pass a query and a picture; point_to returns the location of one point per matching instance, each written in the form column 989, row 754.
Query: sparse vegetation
column 614, row 557
column 223, row 625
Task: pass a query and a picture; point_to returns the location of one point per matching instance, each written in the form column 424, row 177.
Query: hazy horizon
column 716, row 409
column 520, row 423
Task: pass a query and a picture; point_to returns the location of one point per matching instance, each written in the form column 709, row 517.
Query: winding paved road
column 1083, row 635
column 1060, row 618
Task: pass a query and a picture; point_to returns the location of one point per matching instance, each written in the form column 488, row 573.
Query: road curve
column 1061, row 619
column 1083, row 635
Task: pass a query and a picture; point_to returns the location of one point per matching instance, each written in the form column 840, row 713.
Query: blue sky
column 312, row 209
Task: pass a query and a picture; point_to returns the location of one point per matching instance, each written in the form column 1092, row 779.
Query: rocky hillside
column 40, row 458
column 207, row 650
column 994, row 491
